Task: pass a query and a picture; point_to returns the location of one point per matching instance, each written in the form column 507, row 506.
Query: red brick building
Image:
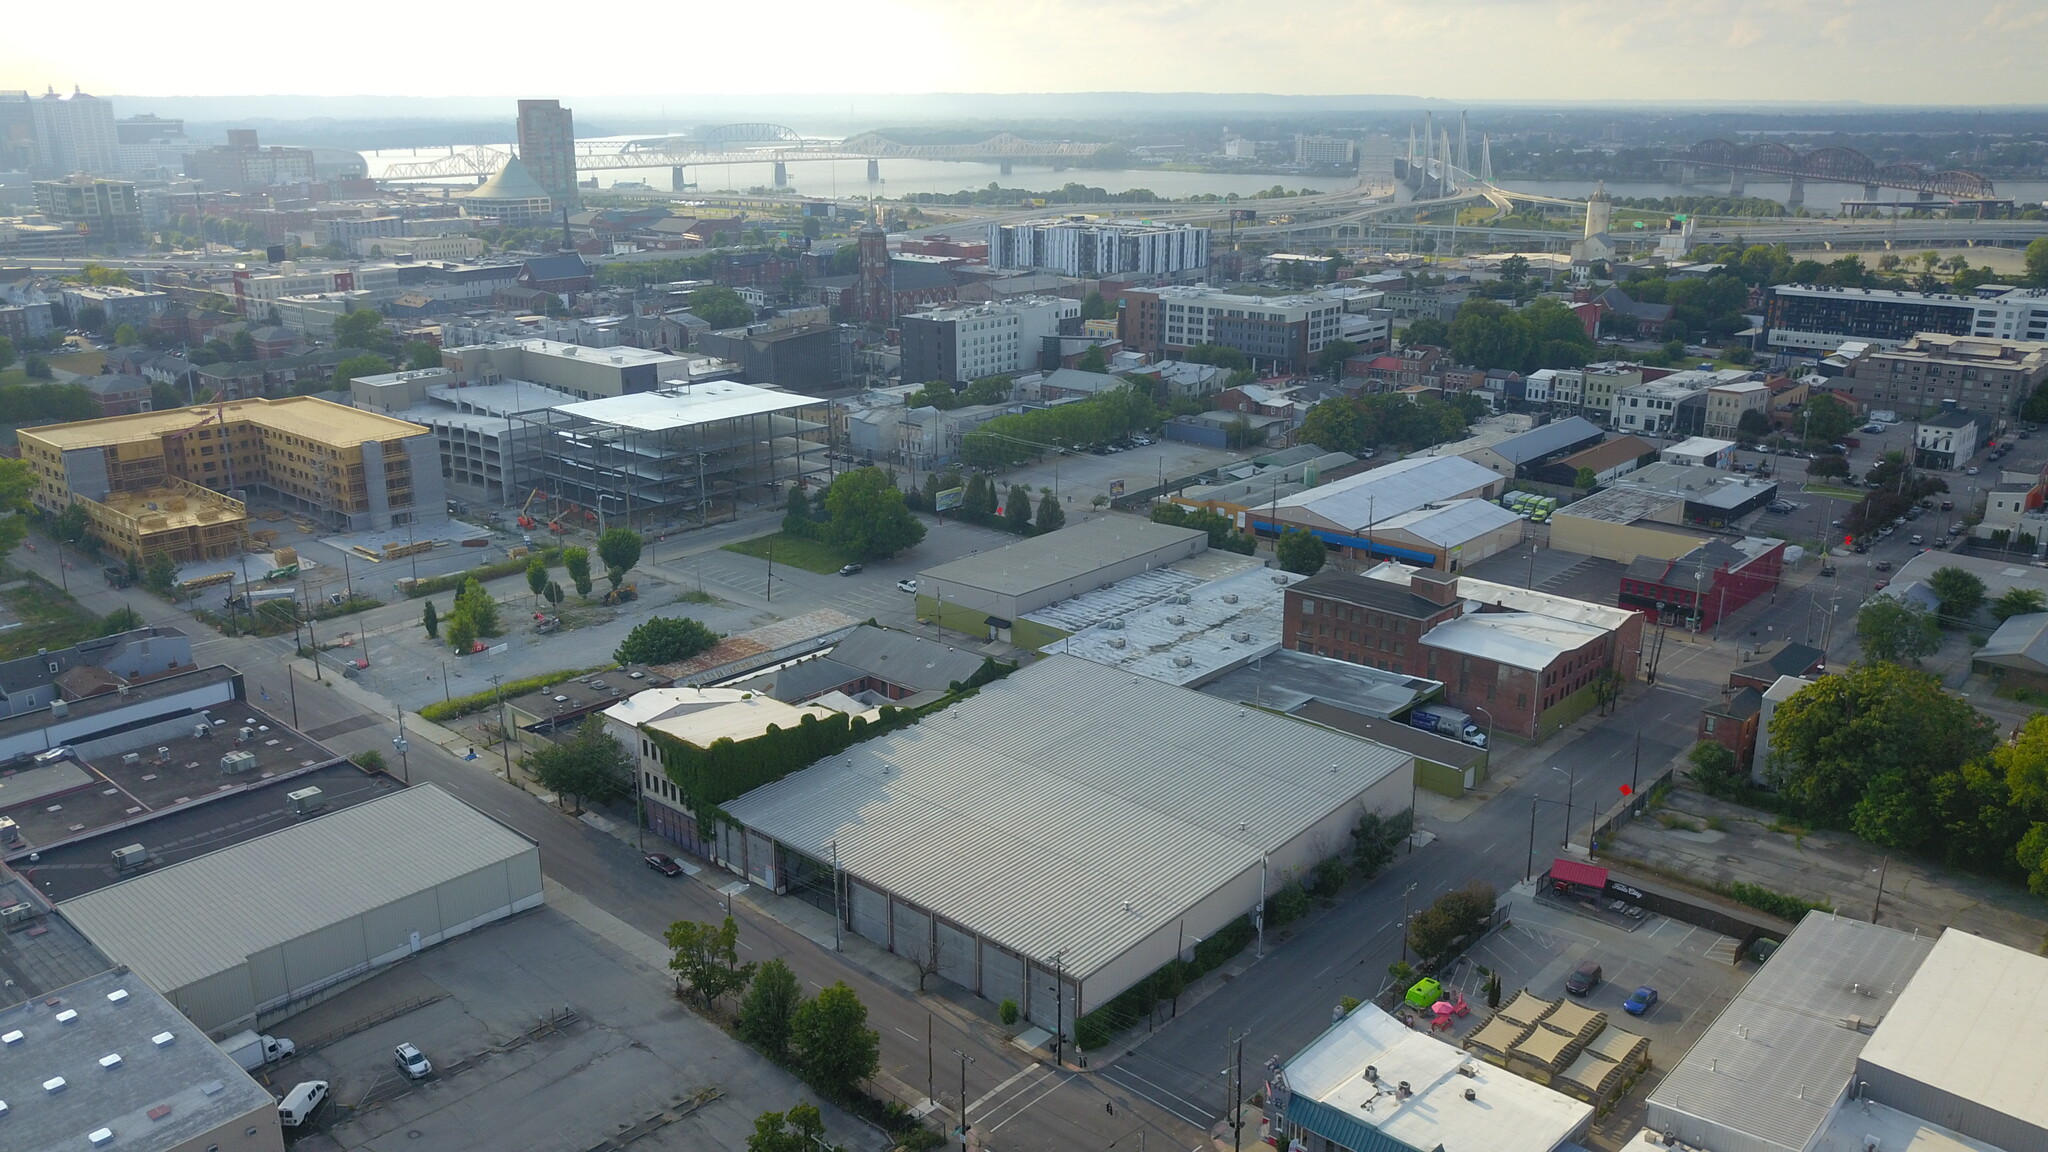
column 1732, row 722
column 1706, row 585
column 1528, row 662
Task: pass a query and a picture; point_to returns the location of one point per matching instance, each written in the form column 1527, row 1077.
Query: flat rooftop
column 321, row 421
column 687, row 406
column 169, row 1086
column 1288, row 681
column 1331, row 1093
column 195, row 828
column 44, row 954
column 176, row 507
column 1193, row 636
column 1075, row 552
column 159, row 688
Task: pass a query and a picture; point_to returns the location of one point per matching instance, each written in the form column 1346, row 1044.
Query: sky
column 1971, row 53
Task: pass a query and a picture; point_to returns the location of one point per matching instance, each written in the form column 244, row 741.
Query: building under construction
column 673, row 453
column 175, row 482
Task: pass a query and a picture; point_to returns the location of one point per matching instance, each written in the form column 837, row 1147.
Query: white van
column 299, row 1104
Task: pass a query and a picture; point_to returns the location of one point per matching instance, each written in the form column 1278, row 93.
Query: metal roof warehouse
column 1071, row 810
column 274, row 924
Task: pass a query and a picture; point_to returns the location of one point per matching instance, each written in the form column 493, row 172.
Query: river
column 837, row 178
column 1824, row 198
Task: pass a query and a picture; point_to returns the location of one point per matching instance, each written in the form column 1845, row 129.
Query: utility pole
column 504, row 734
column 1404, row 922
column 1874, row 904
column 1059, row 1005
column 965, row 1060
column 836, row 946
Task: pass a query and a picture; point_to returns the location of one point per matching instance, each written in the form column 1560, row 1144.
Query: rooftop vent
column 100, row 1137
column 162, row 1039
column 1183, row 661
column 117, row 995
column 67, row 1016
column 111, row 1060
column 1241, row 637
column 1230, row 597
column 13, row 1037
column 54, row 1084
column 212, row 1088
column 1176, row 618
column 1117, row 642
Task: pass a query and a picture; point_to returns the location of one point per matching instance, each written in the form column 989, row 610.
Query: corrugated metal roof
column 1451, row 524
column 1774, row 1064
column 189, row 921
column 1973, row 1022
column 1385, row 493
column 1033, row 812
column 1553, row 437
column 1072, row 553
column 1519, row 639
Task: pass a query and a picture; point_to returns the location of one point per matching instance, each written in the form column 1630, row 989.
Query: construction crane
column 525, row 520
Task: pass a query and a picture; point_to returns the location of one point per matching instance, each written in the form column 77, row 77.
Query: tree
column 16, row 482
column 1094, row 307
column 1891, row 630
column 1960, row 593
column 769, row 1009
column 591, row 765
column 2036, row 275
column 461, row 635
column 1514, row 269
column 1488, row 334
column 1335, row 425
column 537, row 576
column 1825, row 420
column 1438, row 929
column 1828, row 464
column 801, row 1129
column 365, row 329
column 430, row 620
column 1300, row 551
column 1427, row 330
column 707, row 960
column 1017, row 510
column 665, row 640
column 244, row 346
column 866, row 517
column 421, row 355
column 1330, row 361
column 368, row 364
column 977, row 503
column 1051, row 517
column 126, row 335
column 1093, row 360
column 2018, row 601
column 71, row 525
column 619, row 548
column 1753, row 424
column 122, row 619
column 553, row 594
column 35, row 367
column 577, row 562
column 1713, row 768
column 721, row 307
column 1871, row 748
column 832, row 1040
column 1585, row 479
column 1373, row 841
column 92, row 318
column 797, row 519
column 6, row 352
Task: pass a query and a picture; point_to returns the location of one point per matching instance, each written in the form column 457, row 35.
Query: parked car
column 1970, row 471
column 663, row 863
column 1883, row 565
column 1584, row 978
column 1640, row 1001
column 1915, row 539
column 906, row 586
column 412, row 1061
column 1948, row 505
column 849, row 569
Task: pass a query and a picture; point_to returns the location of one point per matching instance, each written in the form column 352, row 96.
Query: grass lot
column 809, row 555
column 83, row 363
column 49, row 618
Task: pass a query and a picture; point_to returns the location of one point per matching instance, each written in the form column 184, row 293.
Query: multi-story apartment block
column 1802, row 318
column 547, row 143
column 173, row 482
column 75, row 133
column 1078, row 246
column 121, row 305
column 1980, row 373
column 102, row 209
column 1288, row 331
column 961, row 344
column 243, row 166
column 1599, row 383
column 1660, row 408
column 1728, row 403
column 1325, row 152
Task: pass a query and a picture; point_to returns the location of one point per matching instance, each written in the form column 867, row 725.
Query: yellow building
column 175, row 481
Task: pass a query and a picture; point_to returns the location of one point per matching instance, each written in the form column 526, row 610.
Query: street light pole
column 1404, row 922
column 1571, row 786
column 835, row 896
column 1874, row 904
column 965, row 1060
column 1529, row 864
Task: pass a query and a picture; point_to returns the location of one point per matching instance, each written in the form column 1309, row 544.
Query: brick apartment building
column 1527, row 662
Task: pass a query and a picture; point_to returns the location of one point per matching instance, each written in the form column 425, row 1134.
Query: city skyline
column 1830, row 51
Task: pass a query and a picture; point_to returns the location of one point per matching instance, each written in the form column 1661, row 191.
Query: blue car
column 1640, row 1001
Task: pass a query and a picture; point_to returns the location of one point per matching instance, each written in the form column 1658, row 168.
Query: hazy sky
column 1975, row 52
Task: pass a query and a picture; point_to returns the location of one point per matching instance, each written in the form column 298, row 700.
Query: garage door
column 761, row 860
column 870, row 912
column 913, row 932
column 1002, row 975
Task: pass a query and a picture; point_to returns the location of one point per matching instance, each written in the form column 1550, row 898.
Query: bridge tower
column 1795, row 197
column 1464, row 145
column 1735, row 185
column 781, row 174
column 1450, row 182
column 874, row 171
column 1486, row 158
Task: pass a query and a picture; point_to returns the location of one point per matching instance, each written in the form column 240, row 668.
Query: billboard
column 949, row 499
column 1116, row 487
column 1246, row 215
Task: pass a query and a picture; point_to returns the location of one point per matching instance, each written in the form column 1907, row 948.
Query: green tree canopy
column 365, row 329
column 1223, row 535
column 537, row 575
column 1051, row 517
column 706, row 959
column 1426, row 330
column 2018, row 601
column 1330, row 361
column 1093, row 360
column 1094, row 307
column 1222, row 356
column 367, row 364
column 1489, row 334
column 1825, row 420
column 721, row 307
column 1891, row 630
column 1300, row 551
column 619, row 548
column 1459, row 913
column 866, row 516
column 421, row 355
column 2036, row 275
column 1017, row 510
column 831, row 1037
column 665, row 640
column 1960, row 592
column 589, row 766
column 801, row 1129
column 576, row 561
column 769, row 1010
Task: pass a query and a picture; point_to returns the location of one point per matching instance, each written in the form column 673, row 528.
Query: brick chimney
column 1435, row 587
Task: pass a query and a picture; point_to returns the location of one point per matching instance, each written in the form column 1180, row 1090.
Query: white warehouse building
column 1070, row 827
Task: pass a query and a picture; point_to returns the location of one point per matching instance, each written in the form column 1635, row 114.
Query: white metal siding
column 913, row 931
column 1002, row 974
column 870, row 912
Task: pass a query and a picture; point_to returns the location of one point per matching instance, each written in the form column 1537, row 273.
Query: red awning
column 1574, row 872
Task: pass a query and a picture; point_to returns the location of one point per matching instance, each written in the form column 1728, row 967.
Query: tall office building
column 547, row 145
column 75, row 133
column 17, row 131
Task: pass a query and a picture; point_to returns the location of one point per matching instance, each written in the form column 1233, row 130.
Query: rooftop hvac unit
column 133, row 856
column 199, row 731
column 1176, row 619
column 306, row 801
column 131, row 758
column 244, row 735
column 1182, row 598
column 1117, row 642
column 1116, row 625
column 19, row 913
column 1241, row 637
column 60, row 708
column 10, row 832
column 236, row 763
column 1183, row 661
column 1230, row 597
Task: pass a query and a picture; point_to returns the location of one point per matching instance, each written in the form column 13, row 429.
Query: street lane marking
column 997, row 1090
column 1116, row 1076
column 1056, row 1082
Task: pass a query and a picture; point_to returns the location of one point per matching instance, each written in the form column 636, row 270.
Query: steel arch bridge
column 1837, row 165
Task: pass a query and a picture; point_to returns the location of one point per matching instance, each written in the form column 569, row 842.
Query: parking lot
column 1690, row 968
column 543, row 1037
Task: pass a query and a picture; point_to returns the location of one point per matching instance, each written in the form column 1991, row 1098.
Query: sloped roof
column 2020, row 642
column 512, row 182
column 566, row 266
column 1555, row 436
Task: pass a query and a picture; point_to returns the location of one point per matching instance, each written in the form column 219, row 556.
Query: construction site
column 178, row 482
